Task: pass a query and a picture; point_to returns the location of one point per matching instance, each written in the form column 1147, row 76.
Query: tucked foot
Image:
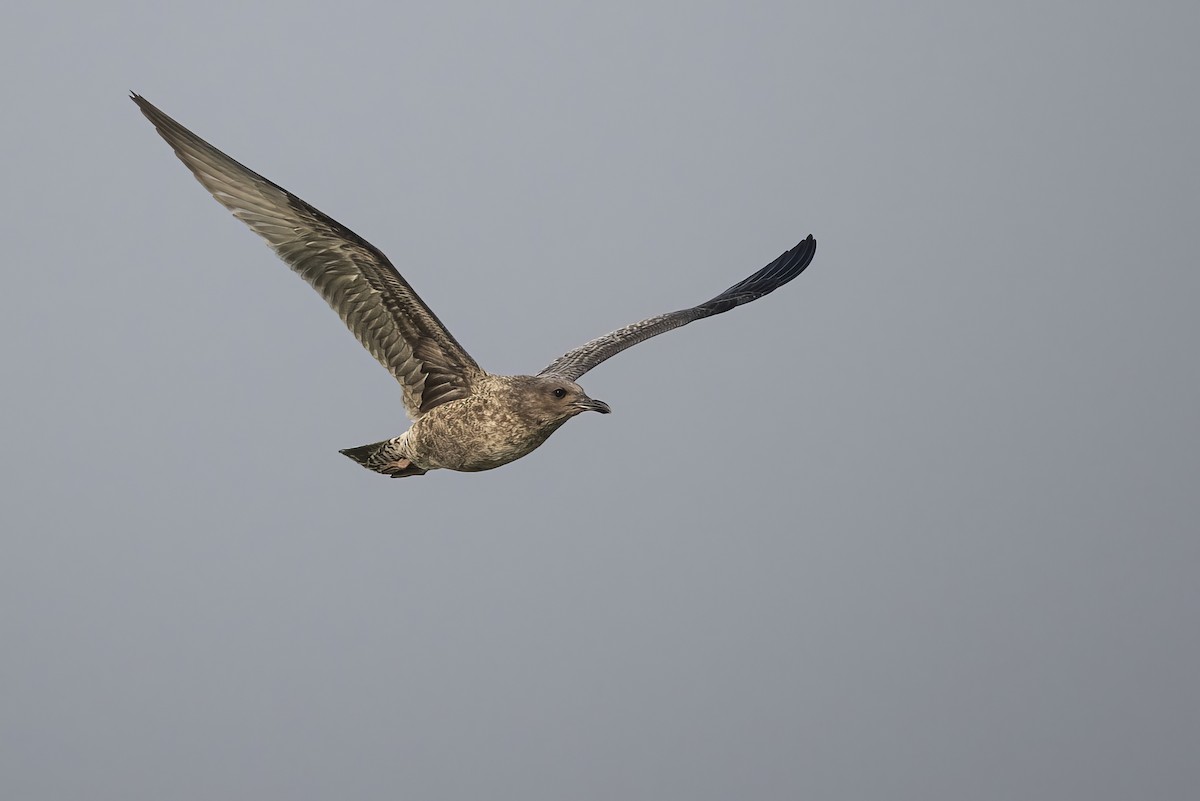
column 400, row 468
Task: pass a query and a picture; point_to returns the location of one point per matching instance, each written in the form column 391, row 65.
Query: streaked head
column 557, row 398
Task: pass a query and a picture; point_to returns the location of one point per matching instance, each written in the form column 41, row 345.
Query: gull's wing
column 576, row 362
column 353, row 276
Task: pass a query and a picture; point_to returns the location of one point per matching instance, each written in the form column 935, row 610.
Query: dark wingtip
column 789, row 265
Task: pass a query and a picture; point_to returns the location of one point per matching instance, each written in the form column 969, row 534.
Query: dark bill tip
column 591, row 405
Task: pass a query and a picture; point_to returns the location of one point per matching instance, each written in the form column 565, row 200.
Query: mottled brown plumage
column 503, row 419
column 464, row 418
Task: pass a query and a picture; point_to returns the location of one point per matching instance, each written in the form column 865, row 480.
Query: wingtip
column 805, row 250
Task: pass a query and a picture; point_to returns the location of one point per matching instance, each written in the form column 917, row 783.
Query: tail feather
column 384, row 457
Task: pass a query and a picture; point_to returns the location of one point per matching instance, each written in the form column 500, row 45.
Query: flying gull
column 464, row 418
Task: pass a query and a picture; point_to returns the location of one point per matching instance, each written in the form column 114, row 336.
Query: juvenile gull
column 464, row 418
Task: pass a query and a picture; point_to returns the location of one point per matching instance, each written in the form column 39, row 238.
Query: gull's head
column 557, row 398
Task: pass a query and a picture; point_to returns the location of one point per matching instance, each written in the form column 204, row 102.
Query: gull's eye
column 560, row 393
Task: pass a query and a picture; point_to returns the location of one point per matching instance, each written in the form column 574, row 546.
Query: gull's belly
column 471, row 436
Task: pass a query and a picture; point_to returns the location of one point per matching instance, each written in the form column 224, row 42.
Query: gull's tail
column 385, row 457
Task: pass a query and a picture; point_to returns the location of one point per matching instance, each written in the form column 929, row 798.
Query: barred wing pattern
column 575, row 363
column 354, row 277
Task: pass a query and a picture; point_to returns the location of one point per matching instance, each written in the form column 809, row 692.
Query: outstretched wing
column 353, row 276
column 575, row 363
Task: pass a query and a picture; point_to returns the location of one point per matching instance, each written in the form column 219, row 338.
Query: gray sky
column 920, row 525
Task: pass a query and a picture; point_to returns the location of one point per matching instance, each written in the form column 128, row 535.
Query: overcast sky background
column 920, row 525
